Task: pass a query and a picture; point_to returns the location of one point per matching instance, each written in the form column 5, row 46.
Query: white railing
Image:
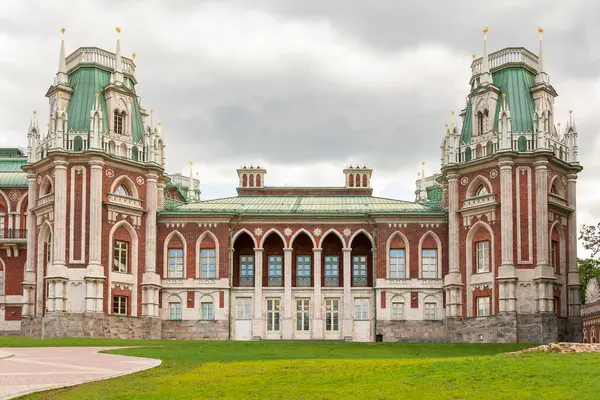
column 479, row 200
column 124, row 200
column 554, row 199
column 45, row 199
column 510, row 55
column 94, row 55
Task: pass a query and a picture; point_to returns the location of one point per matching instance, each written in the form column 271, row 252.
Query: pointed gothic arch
column 168, row 239
column 470, row 267
column 238, row 233
column 270, row 232
column 134, row 266
column 298, row 232
column 358, row 232
column 475, row 184
column 439, row 260
column 213, row 237
column 128, row 183
column 388, row 248
column 332, row 231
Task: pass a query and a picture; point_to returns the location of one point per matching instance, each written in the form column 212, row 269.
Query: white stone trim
column 562, row 243
column 359, row 231
column 134, row 266
column 217, row 264
column 406, row 255
column 238, row 233
column 298, row 232
column 336, row 233
column 527, row 171
column 166, row 254
column 268, row 233
column 43, row 233
column 469, row 267
column 129, row 183
column 84, row 204
column 40, row 187
column 439, row 255
column 475, row 183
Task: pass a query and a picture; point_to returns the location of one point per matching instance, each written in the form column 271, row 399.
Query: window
column 483, row 256
column 2, row 226
column 430, row 311
column 274, row 270
column 174, row 310
column 483, row 306
column 359, row 269
column 48, row 248
column 479, row 123
column 554, row 255
column 429, row 263
column 120, row 256
column 397, row 264
column 118, row 120
column 175, row 269
column 207, row 264
column 482, row 191
column 122, row 191
column 120, row 305
column 242, row 307
column 272, row 314
column 361, row 309
column 303, row 270
column 207, row 310
column 332, row 317
column 397, row 311
column 246, row 269
column 1, row 283
column 332, row 270
column 302, row 315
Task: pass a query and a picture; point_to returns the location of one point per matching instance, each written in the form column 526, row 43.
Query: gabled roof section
column 11, row 172
column 301, row 206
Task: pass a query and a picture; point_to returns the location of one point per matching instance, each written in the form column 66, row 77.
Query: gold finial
column 558, row 123
column 474, row 56
column 118, row 30
column 503, row 94
column 485, row 31
column 191, row 163
column 34, row 113
column 62, row 33
column 422, row 162
column 541, row 31
column 446, row 125
column 133, row 56
column 159, row 123
column 97, row 94
column 418, row 174
column 571, row 111
column 59, row 94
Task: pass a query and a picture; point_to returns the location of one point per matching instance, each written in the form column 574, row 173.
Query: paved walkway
column 26, row 370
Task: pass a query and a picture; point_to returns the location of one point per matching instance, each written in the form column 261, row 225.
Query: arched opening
column 208, row 258
column 251, row 184
column 175, row 248
column 46, row 187
column 362, row 262
column 243, row 261
column 118, row 121
column 135, row 153
column 364, row 181
column 44, row 260
column 481, row 191
column 273, row 273
column 257, row 180
column 468, row 154
column 77, row 143
column 123, row 150
column 244, row 180
column 430, row 254
column 121, row 241
column 489, row 148
column 332, row 272
column 479, row 186
column 479, row 123
column 398, row 255
column 128, row 186
column 478, row 150
column 351, row 180
column 522, row 144
column 112, row 148
column 123, row 259
column 302, row 261
column 357, row 180
column 122, row 191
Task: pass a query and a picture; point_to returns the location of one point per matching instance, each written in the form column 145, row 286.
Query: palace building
column 98, row 240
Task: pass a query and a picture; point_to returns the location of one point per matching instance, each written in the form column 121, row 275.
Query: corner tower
column 95, row 183
column 510, row 176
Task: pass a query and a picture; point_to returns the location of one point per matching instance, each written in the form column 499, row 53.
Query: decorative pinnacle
column 159, row 123
column 503, row 94
column 191, row 163
column 62, row 33
column 422, row 162
column 133, row 56
column 570, row 111
column 558, row 123
column 118, row 30
column 485, row 31
column 541, row 31
column 97, row 94
column 474, row 56
column 446, row 125
column 34, row 113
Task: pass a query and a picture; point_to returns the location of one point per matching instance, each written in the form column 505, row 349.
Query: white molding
column 334, row 232
column 406, row 255
column 268, row 233
column 474, row 283
column 439, row 255
column 198, row 254
column 527, row 171
column 297, row 233
column 84, row 204
column 166, row 254
column 134, row 266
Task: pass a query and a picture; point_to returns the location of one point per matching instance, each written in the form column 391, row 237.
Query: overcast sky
column 306, row 87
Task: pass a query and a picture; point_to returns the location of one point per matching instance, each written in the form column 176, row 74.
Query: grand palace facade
column 98, row 240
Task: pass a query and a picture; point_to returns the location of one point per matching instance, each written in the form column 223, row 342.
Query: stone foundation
column 537, row 328
column 91, row 325
column 412, row 331
column 195, row 330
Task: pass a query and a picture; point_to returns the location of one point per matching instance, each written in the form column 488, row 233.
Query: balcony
column 557, row 200
column 479, row 201
column 94, row 55
column 510, row 56
column 49, row 198
column 13, row 236
column 130, row 202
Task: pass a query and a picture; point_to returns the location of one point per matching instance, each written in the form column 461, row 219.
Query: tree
column 590, row 235
column 588, row 269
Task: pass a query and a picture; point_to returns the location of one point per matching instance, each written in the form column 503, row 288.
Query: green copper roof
column 300, row 205
column 86, row 82
column 434, row 192
column 516, row 82
column 11, row 174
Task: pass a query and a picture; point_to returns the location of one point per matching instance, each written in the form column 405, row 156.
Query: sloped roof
column 11, row 173
column 300, row 205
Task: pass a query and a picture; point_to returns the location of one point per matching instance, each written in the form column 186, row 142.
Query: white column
column 347, row 321
column 287, row 323
column 150, row 279
column 506, row 271
column 29, row 276
column 317, row 324
column 60, row 216
column 453, row 281
column 544, row 273
column 573, row 271
column 258, row 324
column 94, row 275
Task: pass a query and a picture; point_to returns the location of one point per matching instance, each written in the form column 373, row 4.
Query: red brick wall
column 12, row 313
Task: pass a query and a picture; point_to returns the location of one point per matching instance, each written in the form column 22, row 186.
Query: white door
column 332, row 319
column 243, row 321
column 302, row 319
column 362, row 324
column 273, row 325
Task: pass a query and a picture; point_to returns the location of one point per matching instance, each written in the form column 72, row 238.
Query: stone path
column 26, row 370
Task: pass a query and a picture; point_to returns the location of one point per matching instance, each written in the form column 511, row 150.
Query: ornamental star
column 287, row 232
column 258, row 232
column 317, row 232
column 347, row 232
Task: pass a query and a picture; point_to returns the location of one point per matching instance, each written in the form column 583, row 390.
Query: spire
column 486, row 77
column 61, row 76
column 572, row 139
column 118, row 74
column 423, row 191
column 190, row 193
column 541, row 77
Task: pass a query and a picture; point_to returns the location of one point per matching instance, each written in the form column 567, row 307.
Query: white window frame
column 359, row 268
column 483, row 306
column 482, row 250
column 273, row 315
column 175, row 310
column 120, row 247
column 361, row 309
column 430, row 311
column 332, row 315
column 1, row 282
column 332, row 268
column 121, row 303
column 303, row 315
column 427, row 255
column 175, row 263
column 246, row 268
column 207, row 311
column 275, row 265
column 397, row 263
column 397, row 310
column 554, row 255
column 303, row 270
column 208, row 260
column 242, row 308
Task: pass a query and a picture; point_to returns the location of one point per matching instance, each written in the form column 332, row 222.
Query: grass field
column 317, row 370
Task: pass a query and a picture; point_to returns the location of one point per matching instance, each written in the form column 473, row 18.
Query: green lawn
column 317, row 370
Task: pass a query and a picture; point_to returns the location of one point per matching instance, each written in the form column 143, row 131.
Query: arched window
column 364, row 180
column 479, row 123
column 522, row 144
column 118, row 120
column 351, row 180
column 481, row 191
column 553, row 190
column 208, row 258
column 257, row 180
column 251, row 180
column 134, row 153
column 122, row 191
column 244, row 180
column 175, row 307
column 357, row 180
column 77, row 143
